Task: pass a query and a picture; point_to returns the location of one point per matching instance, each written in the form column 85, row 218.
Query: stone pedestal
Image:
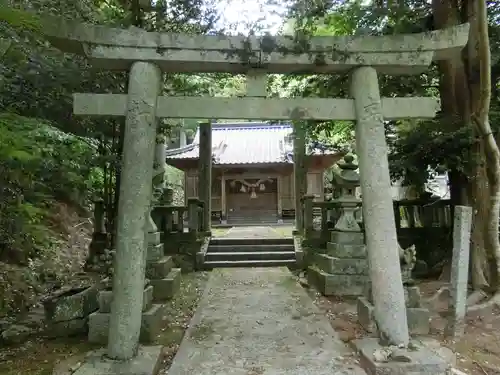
column 418, row 316
column 160, row 270
column 152, row 315
column 343, row 269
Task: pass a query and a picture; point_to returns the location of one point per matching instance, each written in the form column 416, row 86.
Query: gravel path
column 259, row 321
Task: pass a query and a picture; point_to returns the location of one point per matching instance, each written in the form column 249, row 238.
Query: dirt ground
column 38, row 357
column 478, row 351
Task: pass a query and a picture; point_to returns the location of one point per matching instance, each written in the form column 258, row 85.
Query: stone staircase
column 250, row 252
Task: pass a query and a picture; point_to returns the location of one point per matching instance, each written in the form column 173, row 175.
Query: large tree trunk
column 488, row 143
column 465, row 102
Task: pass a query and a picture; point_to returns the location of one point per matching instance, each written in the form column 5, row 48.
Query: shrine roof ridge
column 241, row 143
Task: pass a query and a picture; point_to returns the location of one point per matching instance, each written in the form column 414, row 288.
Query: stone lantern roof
column 348, row 175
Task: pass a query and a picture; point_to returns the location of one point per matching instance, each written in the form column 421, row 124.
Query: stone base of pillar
column 343, row 269
column 420, row 359
column 150, row 328
column 151, row 317
column 418, row 317
column 147, row 362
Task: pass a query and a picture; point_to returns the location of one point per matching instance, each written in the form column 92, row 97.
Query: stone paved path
column 251, row 232
column 259, row 321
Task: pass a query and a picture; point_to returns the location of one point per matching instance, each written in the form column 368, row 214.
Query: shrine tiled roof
column 242, row 143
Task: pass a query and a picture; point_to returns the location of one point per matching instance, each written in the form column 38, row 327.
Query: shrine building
column 252, row 172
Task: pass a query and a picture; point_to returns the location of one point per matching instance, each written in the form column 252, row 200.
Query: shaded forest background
column 53, row 165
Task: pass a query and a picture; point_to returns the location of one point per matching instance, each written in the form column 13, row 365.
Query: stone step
column 250, row 241
column 159, row 269
column 244, row 255
column 250, row 263
column 250, row 248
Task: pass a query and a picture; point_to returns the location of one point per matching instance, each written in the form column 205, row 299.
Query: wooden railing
column 169, row 219
column 423, row 213
column 179, row 219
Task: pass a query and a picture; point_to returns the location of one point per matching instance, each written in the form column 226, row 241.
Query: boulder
column 16, row 334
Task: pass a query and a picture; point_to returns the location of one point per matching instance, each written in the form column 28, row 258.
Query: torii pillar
column 133, row 210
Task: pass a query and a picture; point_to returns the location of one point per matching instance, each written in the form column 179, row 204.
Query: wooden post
column 223, row 198
column 205, row 174
column 280, row 203
column 299, row 173
column 201, row 216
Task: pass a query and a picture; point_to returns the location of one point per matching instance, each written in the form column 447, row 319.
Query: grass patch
column 179, row 311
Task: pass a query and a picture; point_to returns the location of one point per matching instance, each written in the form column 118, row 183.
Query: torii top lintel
column 117, row 49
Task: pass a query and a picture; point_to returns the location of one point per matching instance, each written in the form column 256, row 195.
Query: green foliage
column 39, row 166
column 417, row 148
column 426, row 147
column 19, row 19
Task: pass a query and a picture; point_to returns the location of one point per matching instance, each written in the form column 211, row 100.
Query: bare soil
column 478, row 351
column 21, row 286
column 38, row 357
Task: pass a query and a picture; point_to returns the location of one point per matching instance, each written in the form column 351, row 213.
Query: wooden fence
column 412, row 217
column 179, row 219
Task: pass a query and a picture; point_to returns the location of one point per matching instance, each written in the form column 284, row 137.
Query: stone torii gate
column 147, row 54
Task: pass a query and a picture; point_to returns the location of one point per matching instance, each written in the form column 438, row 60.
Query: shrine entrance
column 252, row 200
column 147, row 56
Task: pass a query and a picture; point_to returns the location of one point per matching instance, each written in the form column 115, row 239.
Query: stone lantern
column 347, row 180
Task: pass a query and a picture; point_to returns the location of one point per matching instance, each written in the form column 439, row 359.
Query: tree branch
column 484, row 64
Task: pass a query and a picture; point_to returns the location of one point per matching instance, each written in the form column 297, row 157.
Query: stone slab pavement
column 259, row 321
